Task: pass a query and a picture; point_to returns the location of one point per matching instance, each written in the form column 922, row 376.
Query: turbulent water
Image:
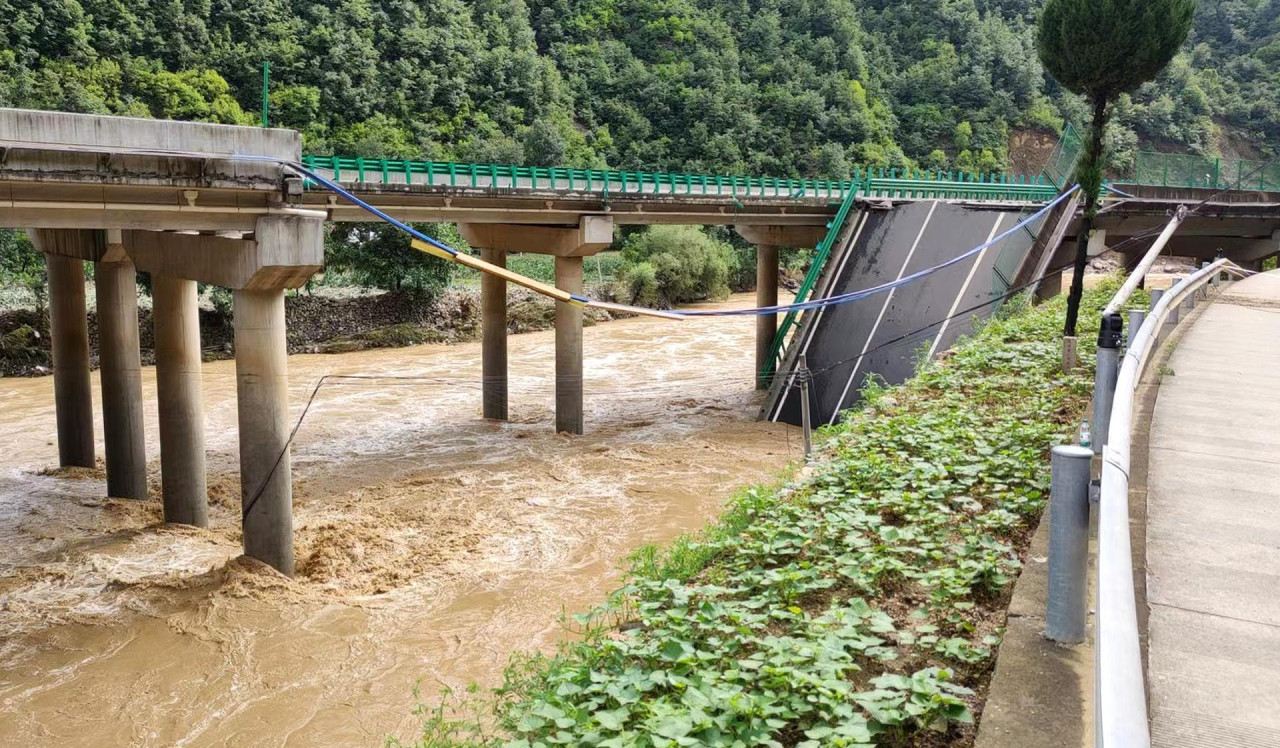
column 430, row 543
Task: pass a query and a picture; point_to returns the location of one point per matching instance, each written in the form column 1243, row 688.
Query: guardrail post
column 1104, row 377
column 1136, row 318
column 1155, row 295
column 1189, row 302
column 1067, row 610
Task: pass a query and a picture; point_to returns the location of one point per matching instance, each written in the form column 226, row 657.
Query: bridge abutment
column 176, row 319
column 493, row 352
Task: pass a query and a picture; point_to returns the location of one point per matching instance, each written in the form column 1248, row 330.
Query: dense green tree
column 377, row 255
column 1101, row 49
column 669, row 265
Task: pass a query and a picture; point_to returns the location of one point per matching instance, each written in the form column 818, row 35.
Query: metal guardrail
column 888, row 183
column 821, row 253
column 1120, row 716
column 1192, row 170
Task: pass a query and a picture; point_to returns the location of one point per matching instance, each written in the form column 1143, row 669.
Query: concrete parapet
column 62, row 146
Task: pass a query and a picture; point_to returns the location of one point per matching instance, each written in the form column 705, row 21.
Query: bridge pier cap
column 285, row 251
column 794, row 237
column 591, row 235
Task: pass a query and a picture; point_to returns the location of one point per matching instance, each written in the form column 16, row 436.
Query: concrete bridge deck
column 1213, row 528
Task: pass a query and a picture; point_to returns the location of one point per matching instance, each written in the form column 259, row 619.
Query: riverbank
column 858, row 604
column 319, row 323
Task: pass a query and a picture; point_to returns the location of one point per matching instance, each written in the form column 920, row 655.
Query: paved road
column 1213, row 530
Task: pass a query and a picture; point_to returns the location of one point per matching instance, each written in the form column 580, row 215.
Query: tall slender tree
column 1101, row 49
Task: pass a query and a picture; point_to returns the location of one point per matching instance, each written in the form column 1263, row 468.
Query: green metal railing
column 1061, row 165
column 820, row 255
column 890, row 183
column 1191, row 170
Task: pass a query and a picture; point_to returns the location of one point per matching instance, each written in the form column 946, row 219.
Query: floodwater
column 431, row 544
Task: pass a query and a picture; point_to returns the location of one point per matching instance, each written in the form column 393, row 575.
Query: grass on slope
column 858, row 605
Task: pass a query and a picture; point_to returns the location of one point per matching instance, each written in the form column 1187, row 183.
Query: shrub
column 684, row 264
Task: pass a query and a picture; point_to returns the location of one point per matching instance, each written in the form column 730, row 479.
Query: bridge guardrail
column 1120, row 717
column 820, row 255
column 1192, row 170
column 878, row 182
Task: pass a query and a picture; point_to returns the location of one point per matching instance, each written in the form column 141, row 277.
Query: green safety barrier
column 820, row 255
column 1192, row 170
column 881, row 182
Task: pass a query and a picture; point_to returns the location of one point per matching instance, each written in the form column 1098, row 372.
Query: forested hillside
column 778, row 87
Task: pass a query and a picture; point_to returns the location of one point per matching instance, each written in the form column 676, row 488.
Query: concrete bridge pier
column 768, row 240
column 569, row 245
column 183, row 478
column 262, row 400
column 493, row 351
column 120, row 368
column 569, row 348
column 69, row 330
column 284, row 251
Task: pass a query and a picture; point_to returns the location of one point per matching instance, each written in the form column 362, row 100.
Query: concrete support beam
column 766, row 295
column 796, row 237
column 262, row 395
column 176, row 315
column 285, row 251
column 592, row 234
column 569, row 348
column 493, row 305
column 120, row 369
column 69, row 328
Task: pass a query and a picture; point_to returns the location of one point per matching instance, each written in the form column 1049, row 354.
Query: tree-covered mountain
column 778, row 87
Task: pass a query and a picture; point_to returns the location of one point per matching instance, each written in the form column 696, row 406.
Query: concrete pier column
column 176, row 315
column 766, row 295
column 1049, row 287
column 569, row 348
column 263, row 405
column 69, row 328
column 124, row 437
column 493, row 304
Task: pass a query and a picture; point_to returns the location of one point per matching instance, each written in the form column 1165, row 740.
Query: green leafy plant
column 858, row 603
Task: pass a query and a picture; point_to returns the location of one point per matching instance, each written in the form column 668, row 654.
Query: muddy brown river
column 431, row 544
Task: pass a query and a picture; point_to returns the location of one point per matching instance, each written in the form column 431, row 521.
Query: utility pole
column 266, row 92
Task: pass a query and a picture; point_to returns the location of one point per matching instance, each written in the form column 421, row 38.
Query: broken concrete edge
column 1042, row 692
